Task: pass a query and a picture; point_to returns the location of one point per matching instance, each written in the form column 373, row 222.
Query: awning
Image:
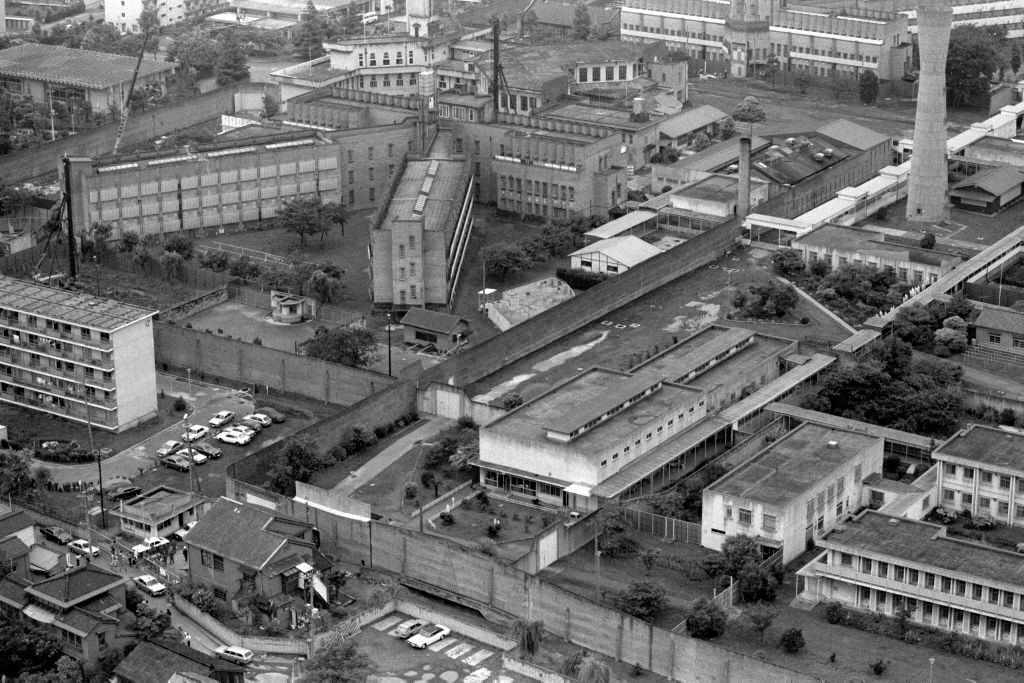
column 578, row 489
column 40, row 614
column 42, row 560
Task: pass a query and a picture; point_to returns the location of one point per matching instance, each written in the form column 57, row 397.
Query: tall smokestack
column 927, row 197
column 743, row 201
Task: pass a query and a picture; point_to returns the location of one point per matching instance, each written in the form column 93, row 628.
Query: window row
column 48, row 326
column 371, row 58
column 986, row 478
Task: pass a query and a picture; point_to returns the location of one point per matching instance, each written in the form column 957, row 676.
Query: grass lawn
column 25, row 425
column 517, row 522
column 577, row 573
column 332, row 476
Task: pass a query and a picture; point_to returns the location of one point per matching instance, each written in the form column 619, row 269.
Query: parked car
column 177, row 462
column 149, row 544
column 234, row 437
column 207, row 449
column 150, row 585
column 123, row 492
column 428, row 635
column 708, row 77
column 251, row 424
column 273, row 414
column 169, row 448
column 80, row 547
column 193, row 456
column 407, row 628
column 260, row 418
column 232, row 653
column 222, row 418
column 57, row 535
column 181, row 533
column 244, row 429
column 195, row 432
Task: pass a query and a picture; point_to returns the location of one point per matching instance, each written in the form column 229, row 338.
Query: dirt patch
column 514, row 522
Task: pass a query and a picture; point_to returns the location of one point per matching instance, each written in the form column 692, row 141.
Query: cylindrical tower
column 928, row 194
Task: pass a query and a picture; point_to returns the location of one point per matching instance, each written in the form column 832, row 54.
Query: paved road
column 205, row 399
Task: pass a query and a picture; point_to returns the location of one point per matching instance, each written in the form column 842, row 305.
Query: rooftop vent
column 819, row 157
column 832, row 444
column 790, row 141
column 829, row 152
column 894, row 522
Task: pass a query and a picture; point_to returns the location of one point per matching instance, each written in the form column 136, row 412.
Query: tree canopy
column 867, row 87
column 311, row 33
column 581, row 22
column 26, row 649
column 339, row 663
column 300, row 459
column 310, row 215
column 973, row 58
column 642, row 599
column 749, row 110
column 231, row 65
column 349, row 346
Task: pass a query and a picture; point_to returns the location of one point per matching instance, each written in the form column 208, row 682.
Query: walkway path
column 206, row 400
column 424, row 432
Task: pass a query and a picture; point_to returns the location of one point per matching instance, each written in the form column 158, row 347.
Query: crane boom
column 126, row 106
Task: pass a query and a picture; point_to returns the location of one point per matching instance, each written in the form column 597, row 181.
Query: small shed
column 441, row 331
column 286, row 307
column 988, row 191
column 613, row 255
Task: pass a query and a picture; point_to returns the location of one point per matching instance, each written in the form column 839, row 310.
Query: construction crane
column 126, row 106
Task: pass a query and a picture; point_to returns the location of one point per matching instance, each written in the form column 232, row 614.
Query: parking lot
column 455, row 658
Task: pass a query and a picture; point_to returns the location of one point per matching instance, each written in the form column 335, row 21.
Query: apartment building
column 1008, row 14
column 76, row 356
column 981, row 470
column 743, row 36
column 878, row 563
column 792, row 491
column 418, row 242
column 839, row 245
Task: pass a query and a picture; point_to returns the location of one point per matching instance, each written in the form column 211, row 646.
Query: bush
column 411, row 489
column 787, row 262
column 927, row 241
column 362, row 438
column 792, row 641
column 642, row 599
column 580, row 279
column 447, row 518
column 338, row 453
column 707, row 621
column 179, row 244
column 879, row 667
column 180, row 405
column 494, row 529
column 835, row 613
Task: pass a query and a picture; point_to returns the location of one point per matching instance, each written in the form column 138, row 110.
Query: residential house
column 81, row 607
column 158, row 512
column 158, row 661
column 17, row 537
column 433, row 329
column 891, row 565
column 792, row 491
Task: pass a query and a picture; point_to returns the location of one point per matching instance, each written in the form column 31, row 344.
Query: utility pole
column 312, row 621
column 389, row 343
column 72, row 261
column 198, row 486
column 99, row 457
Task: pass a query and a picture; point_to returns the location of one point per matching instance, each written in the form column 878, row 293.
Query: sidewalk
column 429, row 429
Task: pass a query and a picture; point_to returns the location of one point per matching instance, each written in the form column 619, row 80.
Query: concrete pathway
column 205, row 399
column 425, row 432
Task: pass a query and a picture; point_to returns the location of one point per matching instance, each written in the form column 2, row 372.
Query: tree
column 642, row 599
column 16, row 472
column 528, row 635
column 707, row 621
column 756, row 584
column 615, row 537
column 349, row 346
column 701, row 141
column 792, row 640
column 271, row 107
column 867, row 87
column 129, row 240
column 787, row 262
column 761, row 618
column 953, row 341
column 149, row 623
column 196, row 54
column 324, row 287
column 180, row 244
column 802, row 80
column 770, row 300
column 26, row 649
column 1015, row 59
column 311, row 33
column 928, row 241
column 300, row 459
column 972, row 60
column 726, row 128
column 231, row 65
column 581, row 22
column 310, row 216
column 740, row 551
column 593, row 670
column 502, row 259
column 749, row 110
column 173, row 265
column 99, row 236
column 341, row 662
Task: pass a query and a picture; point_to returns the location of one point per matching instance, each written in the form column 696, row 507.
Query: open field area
column 237, row 320
column 674, row 311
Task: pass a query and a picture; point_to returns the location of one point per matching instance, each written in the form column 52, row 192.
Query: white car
column 196, row 457
column 169, row 448
column 260, row 419
column 195, row 432
column 242, row 429
column 428, row 635
column 235, row 437
column 708, row 77
column 222, row 418
column 80, row 547
column 149, row 544
column 407, row 628
column 232, row 653
column 150, row 585
column 181, row 533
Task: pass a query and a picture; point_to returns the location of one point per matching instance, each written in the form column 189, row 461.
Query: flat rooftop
column 106, row 315
column 713, row 188
column 751, row 356
column 791, row 466
column 586, row 397
column 683, row 358
column 426, row 192
column 581, row 112
column 848, row 425
column 157, row 503
column 987, row 446
column 925, row 543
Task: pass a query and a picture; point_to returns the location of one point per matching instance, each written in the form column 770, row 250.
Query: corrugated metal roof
column 621, row 224
column 434, row 321
column 692, row 120
column 994, row 181
column 67, row 66
column 852, row 134
column 626, row 249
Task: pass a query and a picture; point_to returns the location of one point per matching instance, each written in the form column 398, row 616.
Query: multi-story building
column 1008, row 14
column 793, row 490
column 742, row 37
column 418, row 243
column 981, row 470
column 838, row 245
column 878, row 563
column 161, row 511
column 76, row 356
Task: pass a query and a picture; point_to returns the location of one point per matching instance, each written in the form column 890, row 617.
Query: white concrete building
column 981, row 470
column 793, row 490
column 76, row 356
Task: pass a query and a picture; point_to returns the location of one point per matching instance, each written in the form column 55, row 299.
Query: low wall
column 233, row 359
column 195, row 305
column 532, row 671
column 262, row 644
column 465, row 628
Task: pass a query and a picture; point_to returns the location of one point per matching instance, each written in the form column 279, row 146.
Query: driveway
column 205, row 399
